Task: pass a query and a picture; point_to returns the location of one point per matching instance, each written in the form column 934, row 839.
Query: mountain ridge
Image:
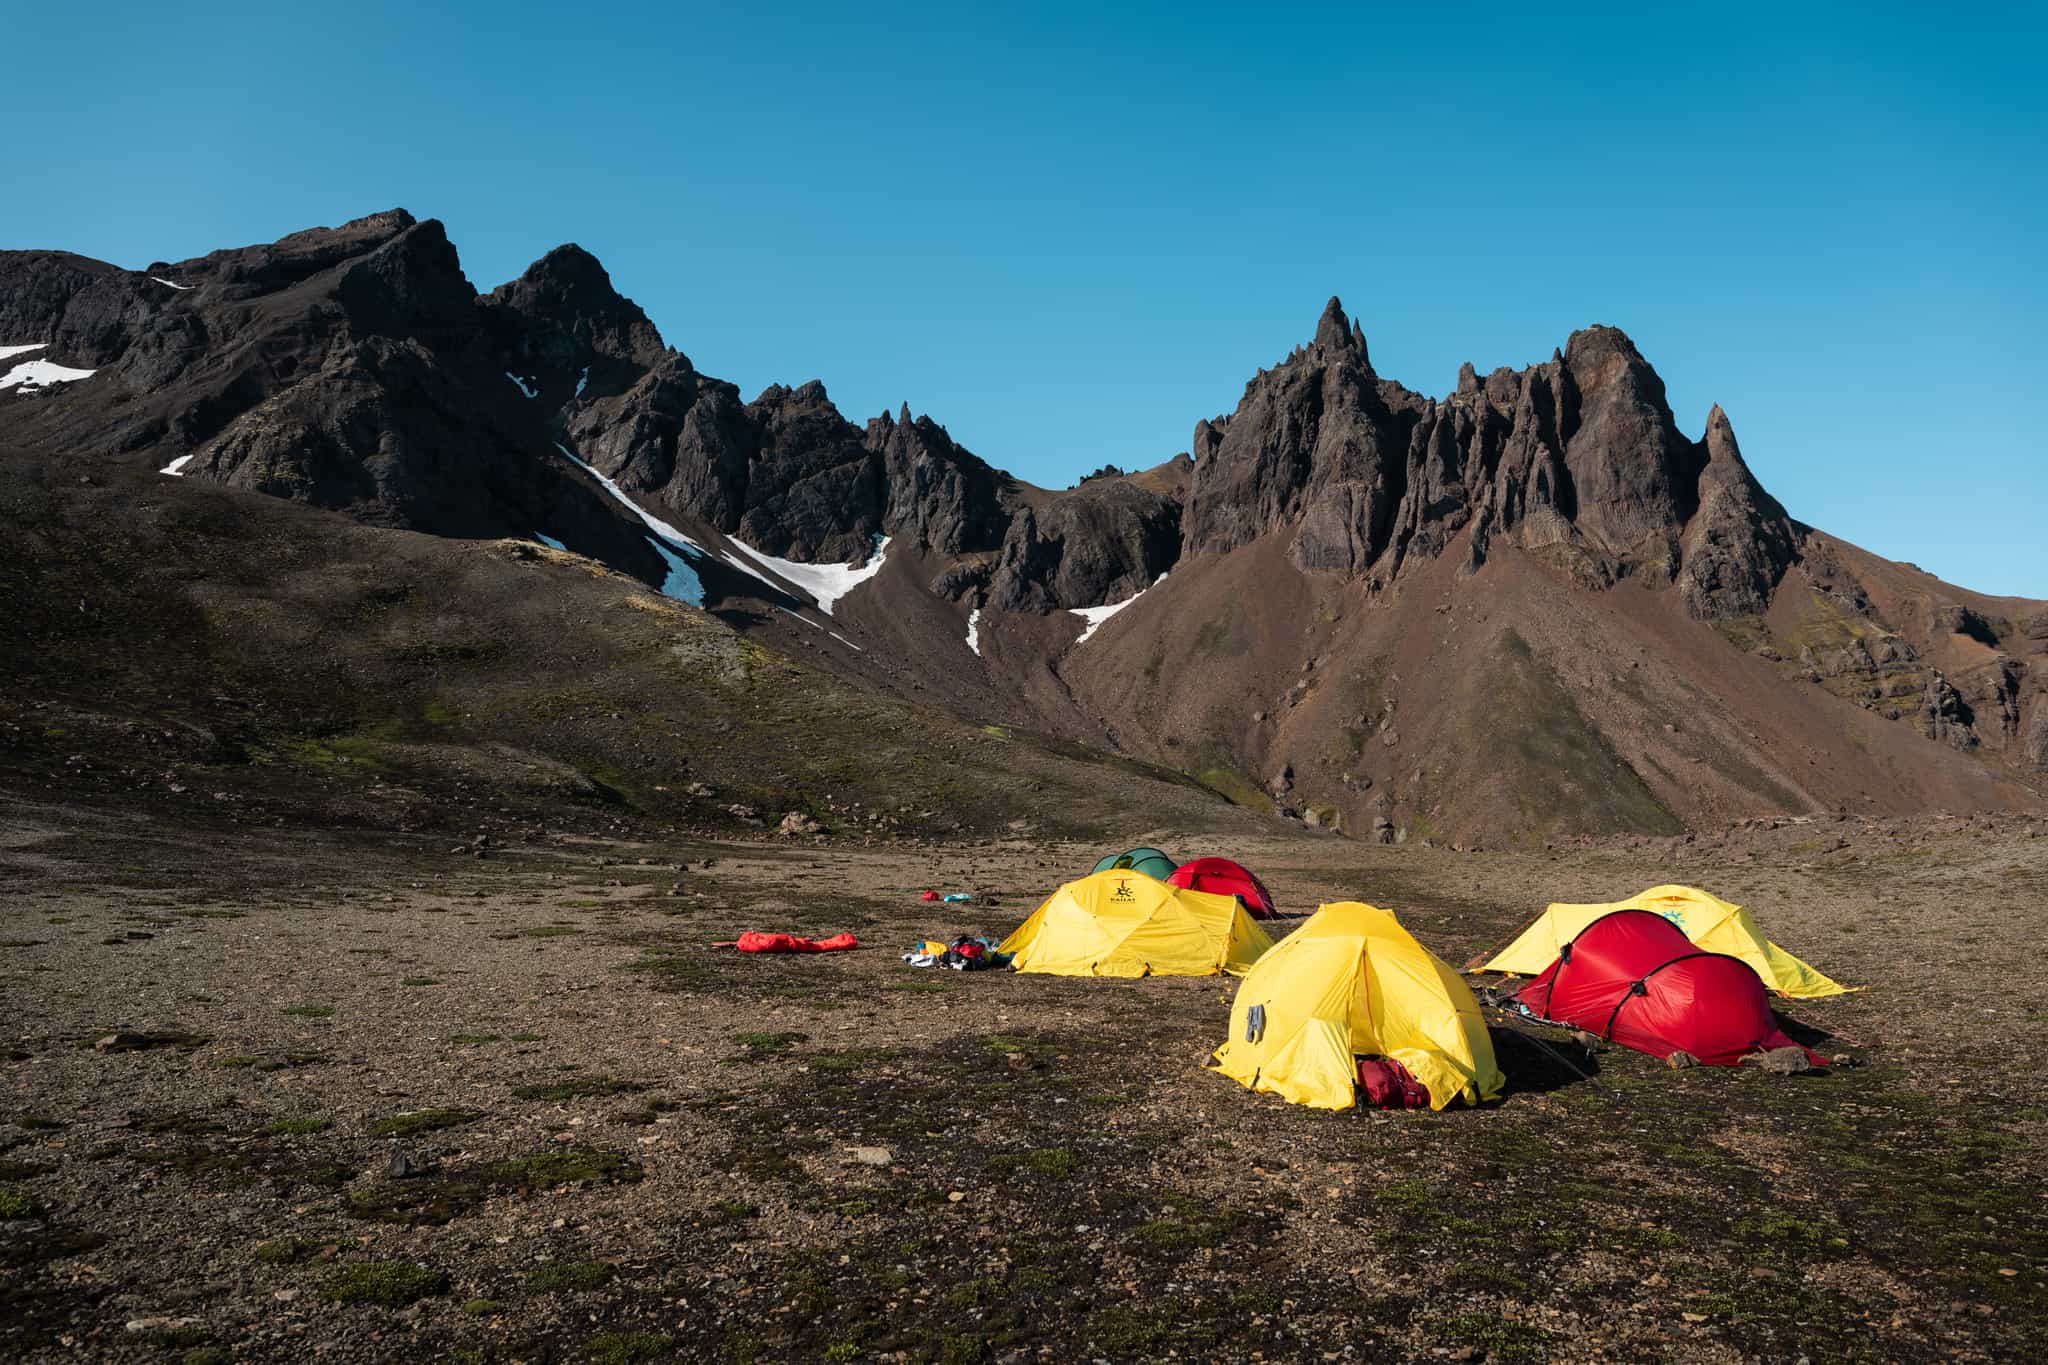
column 358, row 370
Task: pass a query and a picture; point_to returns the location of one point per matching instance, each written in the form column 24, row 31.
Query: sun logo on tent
column 1122, row 892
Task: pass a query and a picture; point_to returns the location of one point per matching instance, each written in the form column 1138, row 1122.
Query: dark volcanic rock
column 939, row 495
column 1577, row 461
column 356, row 368
column 1739, row 541
column 814, row 490
column 676, row 436
column 1099, row 543
column 352, row 368
column 573, row 316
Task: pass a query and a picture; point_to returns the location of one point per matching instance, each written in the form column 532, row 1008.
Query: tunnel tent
column 1222, row 877
column 1122, row 922
column 1351, row 982
column 1634, row 978
column 1708, row 921
column 1149, row 861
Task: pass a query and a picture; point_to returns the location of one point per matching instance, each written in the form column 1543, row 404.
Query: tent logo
column 1122, row 892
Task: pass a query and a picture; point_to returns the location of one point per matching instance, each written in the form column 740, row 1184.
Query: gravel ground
column 636, row 1146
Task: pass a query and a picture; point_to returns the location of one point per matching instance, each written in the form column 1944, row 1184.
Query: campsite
column 629, row 1145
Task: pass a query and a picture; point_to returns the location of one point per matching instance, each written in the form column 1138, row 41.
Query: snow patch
column 176, row 468
column 1095, row 616
column 525, row 388
column 583, row 381
column 682, row 582
column 825, row 583
column 172, row 284
column 41, row 374
column 834, row 579
column 546, row 540
column 974, row 631
column 24, row 349
column 653, row 523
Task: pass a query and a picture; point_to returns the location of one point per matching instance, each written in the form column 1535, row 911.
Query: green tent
column 1149, row 861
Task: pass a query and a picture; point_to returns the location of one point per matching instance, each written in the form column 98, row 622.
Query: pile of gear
column 968, row 954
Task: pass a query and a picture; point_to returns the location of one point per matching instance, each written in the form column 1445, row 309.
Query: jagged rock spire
column 1336, row 332
column 1333, row 329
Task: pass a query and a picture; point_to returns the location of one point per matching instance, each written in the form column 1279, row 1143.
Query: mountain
column 1533, row 606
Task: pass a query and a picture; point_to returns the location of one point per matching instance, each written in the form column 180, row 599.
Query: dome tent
column 1708, row 921
column 1124, row 923
column 1350, row 982
column 1222, row 877
column 1634, row 978
column 1149, row 861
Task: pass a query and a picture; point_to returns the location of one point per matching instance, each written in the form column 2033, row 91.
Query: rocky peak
column 409, row 285
column 276, row 265
column 1335, row 332
column 1577, row 461
column 1739, row 542
column 569, row 292
column 942, row 496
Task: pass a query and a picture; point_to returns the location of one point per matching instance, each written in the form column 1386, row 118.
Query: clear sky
column 1068, row 232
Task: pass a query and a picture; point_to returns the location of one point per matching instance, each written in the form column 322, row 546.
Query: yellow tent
column 1710, row 922
column 1349, row 982
column 1124, row 923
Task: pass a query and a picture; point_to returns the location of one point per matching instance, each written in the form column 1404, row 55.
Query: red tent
column 1634, row 978
column 1222, row 877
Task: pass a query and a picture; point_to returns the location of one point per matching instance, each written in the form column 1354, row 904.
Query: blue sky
column 1070, row 232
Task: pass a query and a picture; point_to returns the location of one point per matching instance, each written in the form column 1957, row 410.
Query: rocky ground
column 633, row 1145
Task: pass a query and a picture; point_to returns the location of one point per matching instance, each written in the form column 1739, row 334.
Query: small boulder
column 399, row 1166
column 1780, row 1061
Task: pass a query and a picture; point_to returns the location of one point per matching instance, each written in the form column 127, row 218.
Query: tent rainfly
column 1352, row 982
column 1708, row 921
column 1124, row 923
column 1149, row 861
column 1222, row 877
column 1634, row 978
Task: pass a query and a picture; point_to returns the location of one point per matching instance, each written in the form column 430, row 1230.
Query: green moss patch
column 559, row 1277
column 393, row 1284
column 422, row 1121
column 18, row 1204
column 626, row 1348
column 567, row 1167
column 289, row 1251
